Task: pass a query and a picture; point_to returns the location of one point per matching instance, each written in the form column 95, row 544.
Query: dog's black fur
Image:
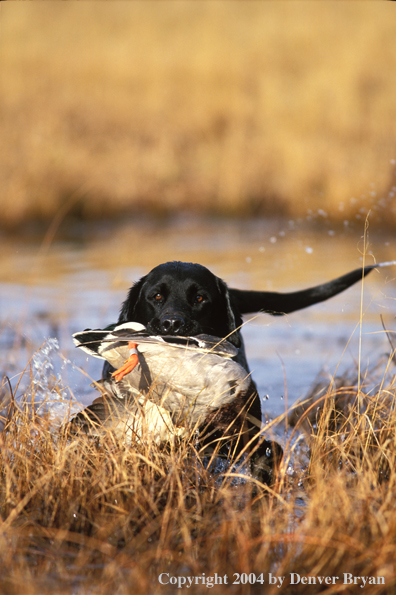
column 186, row 299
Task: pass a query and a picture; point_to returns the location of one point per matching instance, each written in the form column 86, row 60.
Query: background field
column 109, row 109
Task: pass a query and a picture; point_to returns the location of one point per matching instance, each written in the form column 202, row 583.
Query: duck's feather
column 96, row 341
column 188, row 377
column 134, row 418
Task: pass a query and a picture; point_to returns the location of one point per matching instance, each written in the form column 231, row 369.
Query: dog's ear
column 233, row 320
column 128, row 307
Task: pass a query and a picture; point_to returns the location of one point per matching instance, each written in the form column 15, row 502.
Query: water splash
column 220, row 466
column 43, row 366
column 48, row 393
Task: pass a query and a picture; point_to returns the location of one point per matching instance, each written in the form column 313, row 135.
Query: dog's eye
column 199, row 298
column 158, row 297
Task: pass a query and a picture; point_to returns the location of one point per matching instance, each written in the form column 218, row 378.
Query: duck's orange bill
column 129, row 364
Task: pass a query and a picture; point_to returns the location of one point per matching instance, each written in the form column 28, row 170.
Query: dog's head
column 178, row 298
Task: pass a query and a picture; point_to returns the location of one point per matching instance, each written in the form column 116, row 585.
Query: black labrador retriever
column 178, row 298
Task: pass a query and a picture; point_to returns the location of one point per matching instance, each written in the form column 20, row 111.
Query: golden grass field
column 108, row 109
column 80, row 515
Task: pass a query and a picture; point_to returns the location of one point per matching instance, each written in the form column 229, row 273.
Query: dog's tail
column 277, row 304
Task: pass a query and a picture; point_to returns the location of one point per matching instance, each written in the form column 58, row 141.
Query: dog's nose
column 172, row 325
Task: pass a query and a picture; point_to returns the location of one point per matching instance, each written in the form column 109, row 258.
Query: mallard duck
column 175, row 384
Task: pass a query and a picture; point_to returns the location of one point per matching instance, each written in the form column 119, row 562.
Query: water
column 49, row 292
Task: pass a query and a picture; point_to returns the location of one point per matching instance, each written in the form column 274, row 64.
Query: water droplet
column 273, row 240
column 261, row 249
column 248, row 259
column 308, row 250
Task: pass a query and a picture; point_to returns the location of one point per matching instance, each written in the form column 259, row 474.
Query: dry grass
column 111, row 108
column 80, row 515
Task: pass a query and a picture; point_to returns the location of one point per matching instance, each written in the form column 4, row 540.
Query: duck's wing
column 200, row 344
column 114, row 344
column 205, row 343
column 96, row 341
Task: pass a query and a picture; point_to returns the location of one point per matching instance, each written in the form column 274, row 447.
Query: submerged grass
column 82, row 515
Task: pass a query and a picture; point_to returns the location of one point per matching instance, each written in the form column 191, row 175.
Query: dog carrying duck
column 173, row 384
column 188, row 376
column 175, row 361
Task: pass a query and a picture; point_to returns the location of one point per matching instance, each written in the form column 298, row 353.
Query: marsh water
column 51, row 288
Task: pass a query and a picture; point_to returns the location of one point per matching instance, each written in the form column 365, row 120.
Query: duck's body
column 177, row 384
